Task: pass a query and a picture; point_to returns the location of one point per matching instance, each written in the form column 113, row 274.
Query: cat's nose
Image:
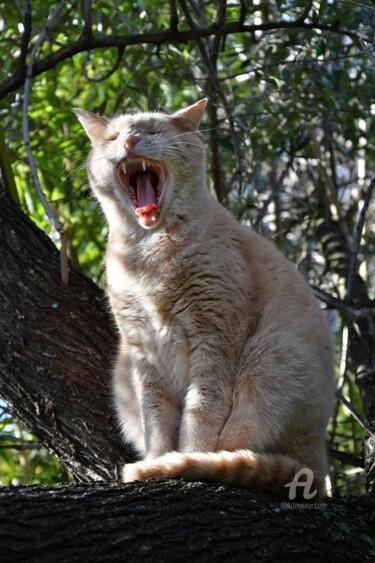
column 130, row 142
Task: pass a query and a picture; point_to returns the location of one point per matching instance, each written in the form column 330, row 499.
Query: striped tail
column 243, row 468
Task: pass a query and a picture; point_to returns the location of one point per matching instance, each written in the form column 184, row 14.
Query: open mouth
column 142, row 181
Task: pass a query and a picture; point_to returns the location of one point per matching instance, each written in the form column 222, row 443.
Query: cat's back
column 278, row 291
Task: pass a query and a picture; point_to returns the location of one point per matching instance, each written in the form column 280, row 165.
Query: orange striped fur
column 225, row 363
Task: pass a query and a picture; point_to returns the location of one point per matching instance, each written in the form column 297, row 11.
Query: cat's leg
column 266, row 420
column 160, row 418
column 147, row 413
column 207, row 405
column 267, row 408
column 126, row 403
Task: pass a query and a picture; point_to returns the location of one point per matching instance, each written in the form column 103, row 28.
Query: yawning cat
column 225, row 367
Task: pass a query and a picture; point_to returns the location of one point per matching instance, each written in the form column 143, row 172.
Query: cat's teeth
column 123, row 165
column 143, row 164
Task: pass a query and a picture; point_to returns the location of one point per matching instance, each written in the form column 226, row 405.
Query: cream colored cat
column 225, row 358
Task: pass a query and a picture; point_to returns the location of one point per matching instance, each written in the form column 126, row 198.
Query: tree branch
column 87, row 29
column 86, row 43
column 209, row 58
column 175, row 521
column 107, row 74
column 56, row 347
column 26, row 135
column 357, row 241
column 354, row 412
column 173, row 22
column 305, row 12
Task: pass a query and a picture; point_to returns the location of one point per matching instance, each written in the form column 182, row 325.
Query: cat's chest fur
column 169, row 303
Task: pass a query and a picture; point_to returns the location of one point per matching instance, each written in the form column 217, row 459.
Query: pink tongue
column 147, row 210
column 145, row 191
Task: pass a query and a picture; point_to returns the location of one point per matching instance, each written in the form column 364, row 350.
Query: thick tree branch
column 178, row 521
column 87, row 43
column 56, row 348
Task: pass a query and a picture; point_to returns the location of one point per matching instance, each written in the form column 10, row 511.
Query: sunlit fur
column 223, row 347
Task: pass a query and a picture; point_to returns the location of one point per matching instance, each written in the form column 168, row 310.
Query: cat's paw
column 161, row 468
column 132, row 472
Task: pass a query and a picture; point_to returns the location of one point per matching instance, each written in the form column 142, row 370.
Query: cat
column 225, row 364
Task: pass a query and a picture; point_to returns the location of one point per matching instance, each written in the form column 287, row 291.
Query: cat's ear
column 92, row 124
column 189, row 118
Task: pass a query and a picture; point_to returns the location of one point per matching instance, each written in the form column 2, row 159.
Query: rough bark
column 56, row 346
column 178, row 521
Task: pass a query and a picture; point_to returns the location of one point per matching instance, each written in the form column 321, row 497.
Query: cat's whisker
column 189, row 133
column 70, row 164
column 187, row 144
column 71, row 173
column 182, row 158
column 77, row 168
column 85, row 151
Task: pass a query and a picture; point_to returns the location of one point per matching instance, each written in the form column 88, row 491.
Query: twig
column 243, row 11
column 27, row 27
column 357, row 241
column 336, row 303
column 327, row 183
column 210, row 65
column 305, row 12
column 26, row 135
column 87, row 28
column 348, row 459
column 369, row 53
column 106, row 75
column 173, row 22
column 19, row 447
column 355, row 413
column 262, row 212
column 127, row 25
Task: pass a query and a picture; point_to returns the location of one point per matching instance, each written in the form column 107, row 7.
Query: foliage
column 290, row 134
column 22, row 460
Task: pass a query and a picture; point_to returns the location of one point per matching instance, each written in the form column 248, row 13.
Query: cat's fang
column 123, row 166
column 143, row 164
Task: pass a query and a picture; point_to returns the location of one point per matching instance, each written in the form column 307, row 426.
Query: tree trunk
column 178, row 521
column 56, row 347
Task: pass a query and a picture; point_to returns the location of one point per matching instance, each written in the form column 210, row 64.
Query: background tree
column 290, row 136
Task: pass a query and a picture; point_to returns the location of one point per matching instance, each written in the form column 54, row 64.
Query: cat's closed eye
column 112, row 137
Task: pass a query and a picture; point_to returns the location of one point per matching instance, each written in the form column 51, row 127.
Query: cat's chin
column 142, row 182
